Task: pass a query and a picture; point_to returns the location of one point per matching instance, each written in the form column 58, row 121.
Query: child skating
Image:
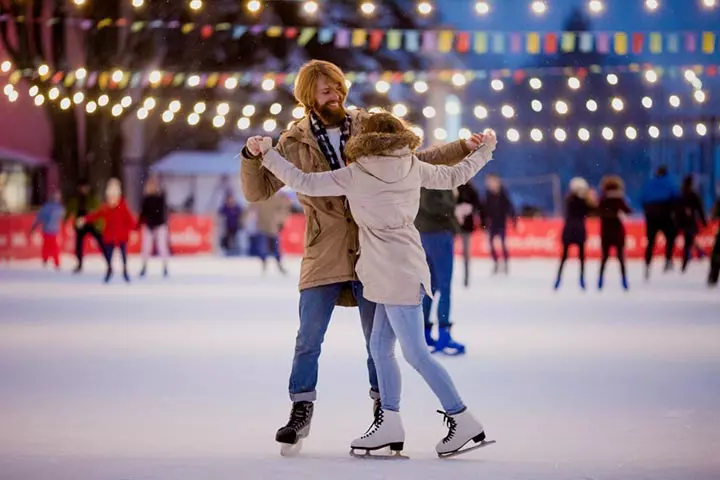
column 578, row 204
column 50, row 219
column 119, row 222
column 382, row 185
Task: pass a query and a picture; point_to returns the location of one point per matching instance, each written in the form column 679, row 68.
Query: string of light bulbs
column 423, row 7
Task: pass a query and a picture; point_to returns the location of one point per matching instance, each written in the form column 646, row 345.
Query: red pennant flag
column 582, row 73
column 376, row 39
column 638, row 41
column 462, row 42
column 121, row 22
column 518, row 76
column 167, row 81
column 711, row 70
column 551, row 43
column 57, row 78
column 397, row 77
column 291, row 32
column 206, row 31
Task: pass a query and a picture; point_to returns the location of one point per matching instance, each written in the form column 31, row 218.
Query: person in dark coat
column 154, row 223
column 690, row 213
column 611, row 208
column 77, row 207
column 659, row 198
column 468, row 211
column 232, row 215
column 498, row 210
column 578, row 205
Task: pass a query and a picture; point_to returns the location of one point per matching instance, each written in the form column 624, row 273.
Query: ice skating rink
column 186, row 378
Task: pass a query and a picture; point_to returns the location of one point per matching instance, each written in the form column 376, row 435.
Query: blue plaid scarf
column 323, row 140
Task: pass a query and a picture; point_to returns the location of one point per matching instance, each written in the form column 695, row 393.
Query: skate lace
column 379, row 413
column 451, row 424
column 298, row 417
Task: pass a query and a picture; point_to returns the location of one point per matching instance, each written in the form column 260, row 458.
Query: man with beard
column 316, row 143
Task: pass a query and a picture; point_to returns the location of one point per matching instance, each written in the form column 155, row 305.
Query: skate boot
column 77, row 270
column 297, row 428
column 429, row 340
column 126, row 276
column 386, row 431
column 445, row 343
column 668, row 266
column 557, row 284
column 647, row 272
column 143, row 271
column 625, row 284
column 506, row 268
column 496, row 268
column 462, row 429
column 582, row 283
column 600, row 283
column 108, row 275
column 165, row 271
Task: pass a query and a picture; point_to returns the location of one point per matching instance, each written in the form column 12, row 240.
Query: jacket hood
column 376, row 144
column 390, row 167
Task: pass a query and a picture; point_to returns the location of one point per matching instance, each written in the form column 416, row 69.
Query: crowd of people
column 669, row 209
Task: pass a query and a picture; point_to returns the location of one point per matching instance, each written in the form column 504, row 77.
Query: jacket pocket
column 312, row 229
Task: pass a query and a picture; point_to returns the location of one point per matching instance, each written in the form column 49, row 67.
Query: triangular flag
column 342, row 37
column 445, row 41
column 376, row 39
column 621, row 44
column 498, row 43
column 551, row 43
column 306, row 34
column 533, row 43
column 359, row 37
column 586, row 42
column 568, row 42
column 708, row 42
column 480, row 43
column 325, row 35
column 429, row 41
column 412, row 40
column 463, row 42
column 394, row 39
column 655, row 42
column 274, row 31
column 238, row 31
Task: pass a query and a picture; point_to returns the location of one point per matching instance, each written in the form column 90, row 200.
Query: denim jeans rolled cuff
column 303, row 397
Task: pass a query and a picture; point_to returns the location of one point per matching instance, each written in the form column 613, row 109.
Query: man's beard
column 331, row 115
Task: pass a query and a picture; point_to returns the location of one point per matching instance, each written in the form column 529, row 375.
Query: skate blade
column 291, row 449
column 367, row 455
column 482, row 444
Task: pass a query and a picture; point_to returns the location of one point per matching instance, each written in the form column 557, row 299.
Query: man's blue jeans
column 316, row 307
column 439, row 253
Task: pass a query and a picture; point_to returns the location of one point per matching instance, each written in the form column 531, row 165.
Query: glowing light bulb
column 91, row 107
column 78, row 98
column 560, row 135
column 310, row 7
column 459, row 80
column 269, row 125
column 507, row 111
column 539, row 7
column 367, row 8
column 149, row 103
column 482, row 7
column 591, row 105
column 677, row 130
column 243, row 123
column 596, row 6
column 155, row 77
column 231, row 83
column 561, row 107
column 275, row 108
column 535, row 83
column 193, row 119
column 254, row 6
column 651, row 76
column 608, row 133
column 382, row 86
column 536, row 105
column 497, row 85
column 647, row 102
column 298, row 113
column 168, row 116
column 631, row 133
column 536, row 135
column 196, row 5
column 142, row 113
column 573, row 83
column 223, row 109
column 429, row 112
column 612, row 79
column 701, row 129
column 480, row 112
column 248, row 110
column 513, row 135
column 81, row 73
column 103, row 100
column 654, row 131
column 420, row 86
column 268, row 84
column 617, row 104
column 218, row 121
column 399, row 110
column 424, row 8
column 440, row 134
column 584, row 134
column 674, row 101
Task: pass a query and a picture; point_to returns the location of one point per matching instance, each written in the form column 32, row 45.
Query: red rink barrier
column 193, row 234
column 533, row 238
column 189, row 234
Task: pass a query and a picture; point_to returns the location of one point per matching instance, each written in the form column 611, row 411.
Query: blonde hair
column 307, row 78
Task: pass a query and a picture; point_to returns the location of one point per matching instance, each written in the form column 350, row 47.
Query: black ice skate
column 298, row 427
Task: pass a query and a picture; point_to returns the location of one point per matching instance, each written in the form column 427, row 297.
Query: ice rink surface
column 186, row 378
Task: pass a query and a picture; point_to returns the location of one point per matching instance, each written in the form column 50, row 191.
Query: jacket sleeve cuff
column 246, row 154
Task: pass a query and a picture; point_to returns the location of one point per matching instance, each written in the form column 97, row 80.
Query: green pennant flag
column 306, row 34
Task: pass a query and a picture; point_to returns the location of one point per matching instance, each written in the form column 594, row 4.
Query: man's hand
column 253, row 145
column 488, row 138
column 474, row 141
column 80, row 222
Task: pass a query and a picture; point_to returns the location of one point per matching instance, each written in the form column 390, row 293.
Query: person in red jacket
column 119, row 222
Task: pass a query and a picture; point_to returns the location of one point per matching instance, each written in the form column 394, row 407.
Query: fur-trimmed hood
column 386, row 156
column 379, row 144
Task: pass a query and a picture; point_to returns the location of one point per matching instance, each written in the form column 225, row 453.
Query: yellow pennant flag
column 708, row 42
column 621, row 43
column 212, row 80
column 481, row 42
column 533, row 43
column 187, row 28
column 69, row 79
column 445, row 42
column 103, row 80
column 568, row 42
column 359, row 37
column 274, row 31
column 655, row 42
